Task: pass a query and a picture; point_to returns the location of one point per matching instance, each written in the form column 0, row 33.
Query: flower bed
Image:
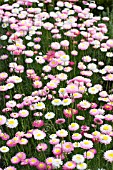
column 56, row 90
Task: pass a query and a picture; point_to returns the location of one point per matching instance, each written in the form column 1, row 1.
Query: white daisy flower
column 82, row 166
column 59, row 67
column 76, row 144
column 92, row 66
column 85, row 104
column 78, row 158
column 40, row 105
column 39, row 135
column 4, row 149
column 64, row 57
column 3, row 37
column 109, row 54
column 53, row 136
column 49, row 115
column 12, row 123
column 66, row 102
column 56, row 102
column 57, row 163
column 93, row 90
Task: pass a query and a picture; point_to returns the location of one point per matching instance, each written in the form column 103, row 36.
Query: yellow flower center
column 70, row 164
column 68, row 146
column 0, row 118
column 106, row 128
column 41, row 165
column 105, row 137
column 11, row 122
column 86, row 142
column 110, row 155
column 39, row 104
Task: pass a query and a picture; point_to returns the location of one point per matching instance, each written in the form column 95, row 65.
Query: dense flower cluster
column 56, row 86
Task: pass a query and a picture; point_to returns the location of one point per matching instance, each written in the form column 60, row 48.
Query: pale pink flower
column 37, row 84
column 2, row 120
column 23, row 113
column 108, row 155
column 23, row 141
column 86, row 144
column 76, row 136
column 54, row 141
column 67, row 147
column 110, row 43
column 55, row 45
column 62, row 133
column 71, row 88
column 89, row 155
column 73, row 126
column 10, row 168
column 21, row 155
column 53, row 63
column 69, row 165
column 83, row 45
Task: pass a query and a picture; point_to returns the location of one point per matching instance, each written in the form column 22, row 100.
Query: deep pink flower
column 5, row 136
column 85, row 128
column 57, row 151
column 67, row 113
column 33, row 161
column 93, row 105
column 71, row 63
column 38, row 123
column 107, row 107
column 98, row 121
column 41, row 166
column 60, row 121
column 11, row 143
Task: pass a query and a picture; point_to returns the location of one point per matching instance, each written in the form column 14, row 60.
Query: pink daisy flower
column 76, row 136
column 86, row 144
column 2, row 120
column 60, row 121
column 83, row 45
column 108, row 155
column 54, row 141
column 33, row 161
column 41, row 147
column 57, row 151
column 62, row 133
column 21, row 155
column 41, row 166
column 67, row 147
column 69, row 165
column 88, row 155
column 53, row 63
column 23, row 113
column 71, row 88
column 73, row 127
column 15, row 160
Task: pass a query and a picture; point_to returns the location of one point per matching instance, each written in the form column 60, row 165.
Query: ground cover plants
column 56, row 90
